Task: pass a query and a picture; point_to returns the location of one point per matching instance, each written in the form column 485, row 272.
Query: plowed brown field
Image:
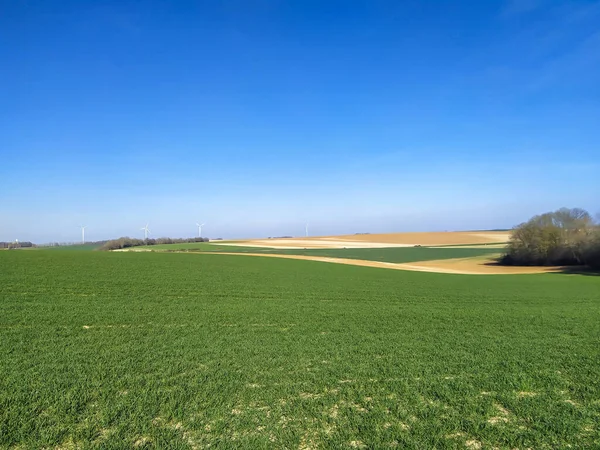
column 433, row 238
column 383, row 240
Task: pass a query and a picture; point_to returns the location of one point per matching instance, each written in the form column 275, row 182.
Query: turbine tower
column 82, row 233
column 200, row 225
column 146, row 231
column 306, row 229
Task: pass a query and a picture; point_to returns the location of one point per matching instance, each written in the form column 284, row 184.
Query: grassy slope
column 203, row 246
column 187, row 350
column 391, row 254
column 73, row 247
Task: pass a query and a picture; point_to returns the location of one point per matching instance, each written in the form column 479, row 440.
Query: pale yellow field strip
column 462, row 266
column 382, row 240
column 312, row 243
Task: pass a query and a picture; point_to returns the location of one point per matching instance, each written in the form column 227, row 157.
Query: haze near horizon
column 256, row 117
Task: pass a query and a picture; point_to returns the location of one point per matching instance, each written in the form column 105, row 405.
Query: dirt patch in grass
column 462, row 266
column 474, row 266
column 523, row 394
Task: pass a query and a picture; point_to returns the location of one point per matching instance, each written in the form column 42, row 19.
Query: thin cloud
column 557, row 49
column 575, row 65
column 518, row 7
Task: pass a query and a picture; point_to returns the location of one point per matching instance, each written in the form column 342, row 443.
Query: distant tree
column 592, row 251
column 17, row 244
column 127, row 242
column 563, row 237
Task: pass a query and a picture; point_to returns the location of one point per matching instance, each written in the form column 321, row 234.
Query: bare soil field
column 296, row 243
column 474, row 266
column 382, row 240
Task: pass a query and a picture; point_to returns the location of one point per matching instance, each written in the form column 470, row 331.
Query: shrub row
column 564, row 237
column 16, row 244
column 126, row 242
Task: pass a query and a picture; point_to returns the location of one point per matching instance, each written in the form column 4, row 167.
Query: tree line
column 127, row 242
column 16, row 244
column 566, row 237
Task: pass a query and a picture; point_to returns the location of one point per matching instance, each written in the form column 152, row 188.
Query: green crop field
column 187, row 351
column 388, row 254
column 195, row 246
column 91, row 246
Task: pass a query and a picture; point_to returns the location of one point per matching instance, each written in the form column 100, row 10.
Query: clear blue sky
column 256, row 116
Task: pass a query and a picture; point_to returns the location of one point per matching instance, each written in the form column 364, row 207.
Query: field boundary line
column 435, row 266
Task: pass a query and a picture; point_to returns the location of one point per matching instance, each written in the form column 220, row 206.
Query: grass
column 168, row 350
column 87, row 247
column 389, row 254
column 198, row 246
column 498, row 245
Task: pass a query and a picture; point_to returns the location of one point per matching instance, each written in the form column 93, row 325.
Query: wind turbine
column 200, row 225
column 306, row 229
column 82, row 233
column 146, row 231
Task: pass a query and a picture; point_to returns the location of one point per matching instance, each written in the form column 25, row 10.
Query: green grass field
column 389, row 254
column 170, row 350
column 196, row 246
column 92, row 246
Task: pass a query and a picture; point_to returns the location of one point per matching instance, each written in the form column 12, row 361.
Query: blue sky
column 257, row 116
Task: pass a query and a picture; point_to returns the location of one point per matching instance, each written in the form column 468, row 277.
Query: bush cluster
column 126, row 242
column 16, row 244
column 564, row 237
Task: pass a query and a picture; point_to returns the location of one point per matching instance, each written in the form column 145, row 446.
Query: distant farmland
column 387, row 240
column 90, row 246
column 179, row 350
column 393, row 254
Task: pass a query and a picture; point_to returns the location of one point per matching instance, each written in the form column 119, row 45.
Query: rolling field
column 383, row 240
column 390, row 254
column 85, row 247
column 157, row 350
column 431, row 238
column 203, row 246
